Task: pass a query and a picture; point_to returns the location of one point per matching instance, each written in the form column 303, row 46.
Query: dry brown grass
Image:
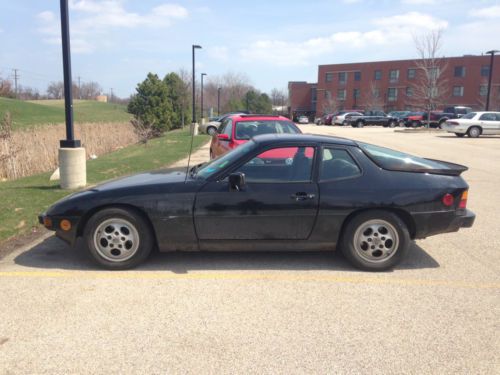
column 38, row 147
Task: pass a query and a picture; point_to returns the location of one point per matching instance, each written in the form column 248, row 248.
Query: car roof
column 265, row 117
column 266, row 139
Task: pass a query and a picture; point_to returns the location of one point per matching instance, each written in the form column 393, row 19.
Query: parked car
column 315, row 198
column 474, row 124
column 413, row 119
column 303, row 120
column 329, row 118
column 458, row 110
column 342, row 117
column 212, row 126
column 373, row 118
column 238, row 129
column 399, row 116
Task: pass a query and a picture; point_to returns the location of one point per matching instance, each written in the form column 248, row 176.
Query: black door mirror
column 236, row 181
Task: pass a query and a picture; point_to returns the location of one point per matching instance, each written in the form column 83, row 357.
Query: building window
column 342, row 77
column 357, row 76
column 378, row 75
column 314, row 94
column 409, row 91
column 411, row 73
column 458, row 91
column 392, row 94
column 328, row 94
column 483, row 90
column 329, row 77
column 393, row 75
column 459, row 71
column 341, row 94
column 355, row 93
column 376, row 93
column 485, row 71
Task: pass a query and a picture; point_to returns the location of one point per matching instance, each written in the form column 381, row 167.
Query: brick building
column 390, row 85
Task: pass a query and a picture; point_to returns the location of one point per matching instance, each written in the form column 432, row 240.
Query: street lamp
column 202, row 117
column 492, row 53
column 194, row 88
column 72, row 162
column 218, row 100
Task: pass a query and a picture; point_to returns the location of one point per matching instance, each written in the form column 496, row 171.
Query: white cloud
column 387, row 31
column 489, row 12
column 92, row 19
column 419, row 2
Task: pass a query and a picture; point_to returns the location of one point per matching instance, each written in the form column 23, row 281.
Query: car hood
column 144, row 179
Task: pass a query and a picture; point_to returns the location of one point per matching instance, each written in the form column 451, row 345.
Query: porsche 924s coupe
column 275, row 192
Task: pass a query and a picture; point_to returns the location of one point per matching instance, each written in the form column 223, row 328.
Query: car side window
column 337, row 163
column 228, row 129
column 222, row 126
column 280, row 165
column 497, row 115
column 488, row 117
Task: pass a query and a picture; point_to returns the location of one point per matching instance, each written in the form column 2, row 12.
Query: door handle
column 302, row 196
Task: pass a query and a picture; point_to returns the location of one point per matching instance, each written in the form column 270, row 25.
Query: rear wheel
column 474, row 132
column 211, row 130
column 392, row 124
column 402, row 124
column 118, row 239
column 375, row 240
column 360, row 124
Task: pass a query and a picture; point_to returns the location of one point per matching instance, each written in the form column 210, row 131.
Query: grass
column 42, row 112
column 23, row 199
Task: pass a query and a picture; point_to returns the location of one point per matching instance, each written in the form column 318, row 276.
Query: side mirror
column 223, row 137
column 236, row 181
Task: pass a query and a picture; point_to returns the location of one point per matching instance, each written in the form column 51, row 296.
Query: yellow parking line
column 248, row 276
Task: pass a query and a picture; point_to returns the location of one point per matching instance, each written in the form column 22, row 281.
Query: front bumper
column 54, row 223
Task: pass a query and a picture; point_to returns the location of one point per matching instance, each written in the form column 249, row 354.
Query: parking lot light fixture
column 202, row 114
column 492, row 58
column 218, row 100
column 195, row 46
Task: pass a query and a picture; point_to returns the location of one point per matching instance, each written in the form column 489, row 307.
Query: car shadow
column 55, row 254
column 488, row 136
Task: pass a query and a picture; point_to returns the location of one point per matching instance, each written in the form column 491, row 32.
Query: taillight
column 463, row 200
column 452, row 123
column 447, row 200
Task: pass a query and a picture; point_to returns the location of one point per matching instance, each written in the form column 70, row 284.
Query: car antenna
column 190, row 151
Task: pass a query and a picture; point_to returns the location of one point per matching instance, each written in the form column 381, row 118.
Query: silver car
column 474, row 124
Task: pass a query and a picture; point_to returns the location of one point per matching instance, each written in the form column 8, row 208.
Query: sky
column 117, row 42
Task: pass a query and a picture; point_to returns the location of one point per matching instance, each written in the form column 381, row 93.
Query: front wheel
column 211, row 130
column 118, row 238
column 392, row 124
column 375, row 240
column 360, row 124
column 474, row 132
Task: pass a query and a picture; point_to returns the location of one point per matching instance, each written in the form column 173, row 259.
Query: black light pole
column 492, row 53
column 202, row 75
column 194, row 86
column 218, row 101
column 70, row 141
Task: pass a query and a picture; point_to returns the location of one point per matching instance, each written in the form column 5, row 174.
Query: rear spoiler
column 452, row 170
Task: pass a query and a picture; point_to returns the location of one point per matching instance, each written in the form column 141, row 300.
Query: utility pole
column 111, row 96
column 202, row 115
column 16, row 77
column 492, row 53
column 218, row 101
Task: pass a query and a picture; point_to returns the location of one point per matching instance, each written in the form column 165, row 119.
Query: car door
column 279, row 200
column 488, row 122
column 221, row 145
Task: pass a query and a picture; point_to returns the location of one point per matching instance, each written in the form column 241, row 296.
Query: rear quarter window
column 400, row 161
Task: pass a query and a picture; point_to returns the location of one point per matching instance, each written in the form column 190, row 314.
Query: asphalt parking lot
column 438, row 312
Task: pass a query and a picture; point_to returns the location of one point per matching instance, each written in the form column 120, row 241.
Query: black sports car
column 276, row 192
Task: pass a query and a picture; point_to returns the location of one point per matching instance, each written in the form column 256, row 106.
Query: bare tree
column 330, row 105
column 6, row 88
column 372, row 99
column 430, row 89
column 55, row 90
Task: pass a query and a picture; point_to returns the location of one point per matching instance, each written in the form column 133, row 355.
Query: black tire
column 440, row 125
column 211, row 130
column 345, row 123
column 119, row 219
column 474, row 132
column 402, row 124
column 392, row 124
column 366, row 259
column 460, row 135
column 415, row 124
column 359, row 124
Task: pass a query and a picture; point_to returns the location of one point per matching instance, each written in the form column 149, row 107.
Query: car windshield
column 213, row 166
column 416, row 114
column 399, row 161
column 248, row 129
column 469, row 115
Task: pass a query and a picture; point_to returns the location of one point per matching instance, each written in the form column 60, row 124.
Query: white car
column 340, row 119
column 303, row 120
column 474, row 124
